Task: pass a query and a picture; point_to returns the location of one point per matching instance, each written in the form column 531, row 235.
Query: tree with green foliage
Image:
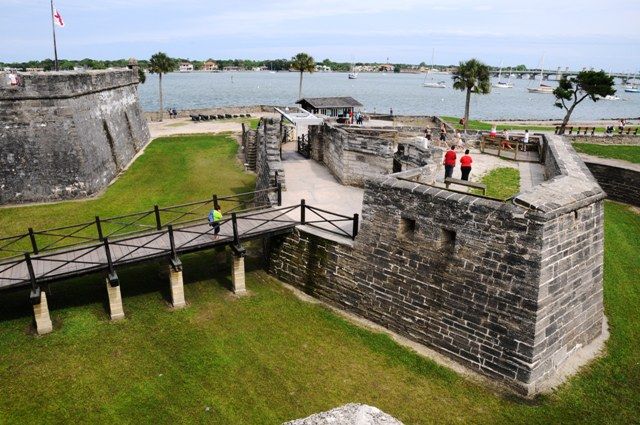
column 472, row 76
column 160, row 64
column 587, row 84
column 303, row 62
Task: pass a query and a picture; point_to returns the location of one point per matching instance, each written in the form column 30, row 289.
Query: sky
column 575, row 34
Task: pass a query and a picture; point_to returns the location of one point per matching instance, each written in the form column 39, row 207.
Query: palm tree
column 302, row 62
column 160, row 64
column 474, row 77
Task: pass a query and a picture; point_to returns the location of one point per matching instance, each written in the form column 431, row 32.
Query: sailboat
column 503, row 85
column 542, row 88
column 432, row 83
column 353, row 74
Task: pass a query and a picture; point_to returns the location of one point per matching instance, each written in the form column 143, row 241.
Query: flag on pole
column 57, row 18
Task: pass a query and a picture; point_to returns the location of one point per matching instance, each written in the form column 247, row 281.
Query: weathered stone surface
column 511, row 291
column 267, row 148
column 67, row 134
column 349, row 414
column 621, row 184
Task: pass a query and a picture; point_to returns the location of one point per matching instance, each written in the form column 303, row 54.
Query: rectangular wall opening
column 447, row 239
column 407, row 227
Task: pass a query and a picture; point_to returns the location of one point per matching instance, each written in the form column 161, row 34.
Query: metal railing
column 304, row 148
column 192, row 234
column 41, row 241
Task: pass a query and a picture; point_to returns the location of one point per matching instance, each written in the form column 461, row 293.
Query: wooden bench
column 450, row 180
column 584, row 130
column 628, row 130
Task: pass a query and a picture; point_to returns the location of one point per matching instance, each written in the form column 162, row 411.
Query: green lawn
column 485, row 126
column 172, row 170
column 502, row 183
column 626, row 153
column 481, row 125
column 269, row 357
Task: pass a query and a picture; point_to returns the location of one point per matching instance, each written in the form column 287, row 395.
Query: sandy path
column 170, row 127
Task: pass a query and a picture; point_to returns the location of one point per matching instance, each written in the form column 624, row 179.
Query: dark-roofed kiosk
column 329, row 106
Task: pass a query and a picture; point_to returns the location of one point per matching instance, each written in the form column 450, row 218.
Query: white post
column 41, row 315
column 237, row 275
column 116, row 311
column 177, row 287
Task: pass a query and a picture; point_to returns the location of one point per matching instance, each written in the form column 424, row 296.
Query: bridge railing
column 42, row 241
column 107, row 253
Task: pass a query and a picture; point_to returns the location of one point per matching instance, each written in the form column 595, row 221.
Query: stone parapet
column 513, row 291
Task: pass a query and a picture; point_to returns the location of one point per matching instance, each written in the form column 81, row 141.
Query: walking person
column 449, row 162
column 443, row 132
column 215, row 215
column 525, row 140
column 465, row 165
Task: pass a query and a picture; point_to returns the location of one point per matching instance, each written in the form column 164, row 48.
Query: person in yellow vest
column 214, row 220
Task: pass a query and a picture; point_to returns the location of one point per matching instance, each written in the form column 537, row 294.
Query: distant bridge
column 554, row 74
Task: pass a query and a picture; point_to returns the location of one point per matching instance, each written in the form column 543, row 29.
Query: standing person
column 215, row 215
column 494, row 131
column 525, row 140
column 505, row 140
column 443, row 132
column 465, row 165
column 457, row 138
column 449, row 161
column 391, row 111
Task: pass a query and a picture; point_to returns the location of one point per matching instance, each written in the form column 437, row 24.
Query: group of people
column 450, row 159
column 172, row 113
column 506, row 137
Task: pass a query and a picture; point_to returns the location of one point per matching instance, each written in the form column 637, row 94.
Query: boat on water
column 353, row 75
column 503, row 84
column 632, row 89
column 542, row 88
column 609, row 97
column 430, row 82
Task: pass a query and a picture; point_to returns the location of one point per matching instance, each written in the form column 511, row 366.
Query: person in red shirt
column 465, row 165
column 449, row 162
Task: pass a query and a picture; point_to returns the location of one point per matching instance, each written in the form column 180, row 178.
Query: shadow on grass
column 149, row 277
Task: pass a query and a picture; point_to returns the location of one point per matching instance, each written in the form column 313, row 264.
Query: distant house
column 323, row 68
column 186, row 67
column 386, row 67
column 329, row 106
column 210, row 66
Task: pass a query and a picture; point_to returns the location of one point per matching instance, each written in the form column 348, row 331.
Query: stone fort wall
column 510, row 290
column 66, row 135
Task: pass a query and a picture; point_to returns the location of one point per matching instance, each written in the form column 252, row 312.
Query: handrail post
column 99, row 227
column 302, row 211
column 113, row 278
column 234, row 222
column 279, row 194
column 172, row 243
column 156, row 209
column 32, row 236
column 32, row 274
column 356, row 221
column 215, row 201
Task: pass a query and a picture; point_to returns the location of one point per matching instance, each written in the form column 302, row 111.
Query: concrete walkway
column 311, row 181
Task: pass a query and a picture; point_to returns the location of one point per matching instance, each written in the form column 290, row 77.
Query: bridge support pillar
column 177, row 284
column 237, row 270
column 41, row 312
column 116, row 312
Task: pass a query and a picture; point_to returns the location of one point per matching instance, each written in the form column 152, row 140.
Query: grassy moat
column 267, row 357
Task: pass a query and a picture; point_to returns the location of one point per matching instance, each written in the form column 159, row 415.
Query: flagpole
column 55, row 48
